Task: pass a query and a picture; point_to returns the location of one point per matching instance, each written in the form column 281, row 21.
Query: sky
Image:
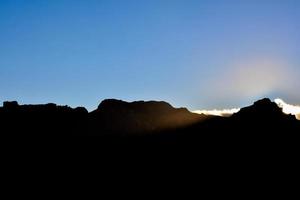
column 199, row 54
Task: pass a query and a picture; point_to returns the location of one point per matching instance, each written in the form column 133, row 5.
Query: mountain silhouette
column 140, row 117
column 263, row 109
column 147, row 120
column 41, row 120
column 264, row 116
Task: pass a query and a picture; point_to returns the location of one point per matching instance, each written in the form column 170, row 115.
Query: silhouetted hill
column 41, row 120
column 263, row 110
column 151, row 121
column 264, row 116
column 140, row 117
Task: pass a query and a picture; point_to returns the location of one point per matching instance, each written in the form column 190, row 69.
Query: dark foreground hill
column 148, row 121
column 259, row 139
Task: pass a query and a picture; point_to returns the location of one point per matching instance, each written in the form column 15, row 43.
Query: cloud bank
column 286, row 108
column 215, row 112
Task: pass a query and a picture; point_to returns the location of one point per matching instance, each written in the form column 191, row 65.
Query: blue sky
column 193, row 53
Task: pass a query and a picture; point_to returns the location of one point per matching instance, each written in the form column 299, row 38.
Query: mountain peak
column 10, row 104
column 263, row 102
column 114, row 104
column 111, row 103
column 262, row 109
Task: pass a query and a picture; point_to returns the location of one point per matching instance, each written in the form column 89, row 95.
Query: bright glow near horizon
column 286, row 108
column 215, row 112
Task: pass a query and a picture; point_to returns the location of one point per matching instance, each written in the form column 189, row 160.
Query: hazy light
column 224, row 112
column 288, row 108
column 252, row 79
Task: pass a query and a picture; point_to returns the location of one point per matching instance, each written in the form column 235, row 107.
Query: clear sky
column 193, row 53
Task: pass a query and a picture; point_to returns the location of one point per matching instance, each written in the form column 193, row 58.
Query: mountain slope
column 140, row 117
column 158, row 119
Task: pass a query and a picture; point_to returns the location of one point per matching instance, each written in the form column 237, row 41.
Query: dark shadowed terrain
column 153, row 138
column 148, row 122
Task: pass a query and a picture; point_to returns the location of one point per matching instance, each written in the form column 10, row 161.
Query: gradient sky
column 193, row 53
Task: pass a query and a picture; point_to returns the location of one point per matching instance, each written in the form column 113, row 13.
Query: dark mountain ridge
column 151, row 119
column 140, row 117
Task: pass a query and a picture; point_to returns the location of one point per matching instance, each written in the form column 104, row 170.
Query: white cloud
column 288, row 108
column 225, row 112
